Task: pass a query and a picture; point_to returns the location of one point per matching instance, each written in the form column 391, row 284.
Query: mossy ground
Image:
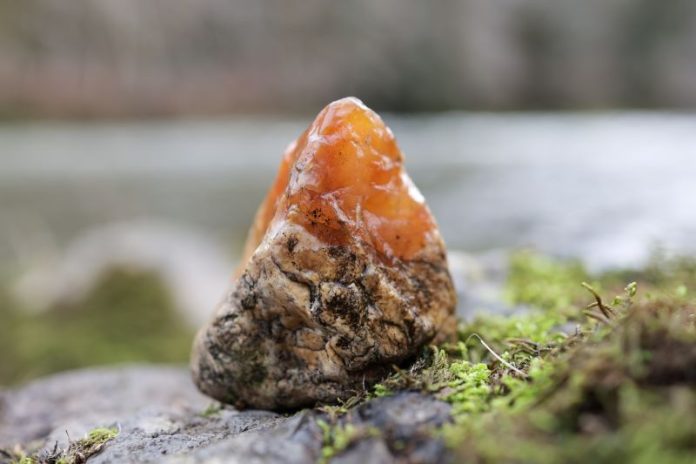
column 127, row 317
column 77, row 452
column 575, row 378
column 579, row 376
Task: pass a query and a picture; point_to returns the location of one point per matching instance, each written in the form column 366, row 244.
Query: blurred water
column 606, row 187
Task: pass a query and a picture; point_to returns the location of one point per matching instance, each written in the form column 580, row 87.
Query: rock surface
column 160, row 417
column 159, row 410
column 80, row 400
column 345, row 274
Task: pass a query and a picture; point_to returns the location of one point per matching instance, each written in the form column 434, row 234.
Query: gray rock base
column 160, row 416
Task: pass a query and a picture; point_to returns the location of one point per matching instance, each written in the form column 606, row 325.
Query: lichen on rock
column 344, row 274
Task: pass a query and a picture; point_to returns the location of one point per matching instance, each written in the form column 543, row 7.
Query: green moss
column 80, row 450
column 212, row 410
column 613, row 390
column 470, row 387
column 544, row 283
column 77, row 452
column 380, row 390
column 334, row 411
column 128, row 316
column 596, row 401
column 337, row 437
column 576, row 378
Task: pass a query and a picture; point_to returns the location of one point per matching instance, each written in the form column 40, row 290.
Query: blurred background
column 138, row 138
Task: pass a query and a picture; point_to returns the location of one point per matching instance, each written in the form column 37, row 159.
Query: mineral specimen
column 344, row 274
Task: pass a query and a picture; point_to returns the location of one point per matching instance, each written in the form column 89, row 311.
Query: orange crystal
column 344, row 179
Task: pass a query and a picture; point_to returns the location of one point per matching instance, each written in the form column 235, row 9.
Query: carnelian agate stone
column 344, row 274
column 344, row 179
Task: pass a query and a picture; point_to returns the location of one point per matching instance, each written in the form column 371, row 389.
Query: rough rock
column 405, row 422
column 345, row 274
column 402, row 425
column 157, row 409
column 80, row 400
column 160, row 417
column 156, row 435
column 294, row 441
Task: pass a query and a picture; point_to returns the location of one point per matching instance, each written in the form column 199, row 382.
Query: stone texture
column 79, row 400
column 406, row 422
column 403, row 423
column 157, row 409
column 156, row 435
column 345, row 274
column 158, row 412
column 294, row 441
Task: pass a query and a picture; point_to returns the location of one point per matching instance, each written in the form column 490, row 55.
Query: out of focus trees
column 155, row 57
